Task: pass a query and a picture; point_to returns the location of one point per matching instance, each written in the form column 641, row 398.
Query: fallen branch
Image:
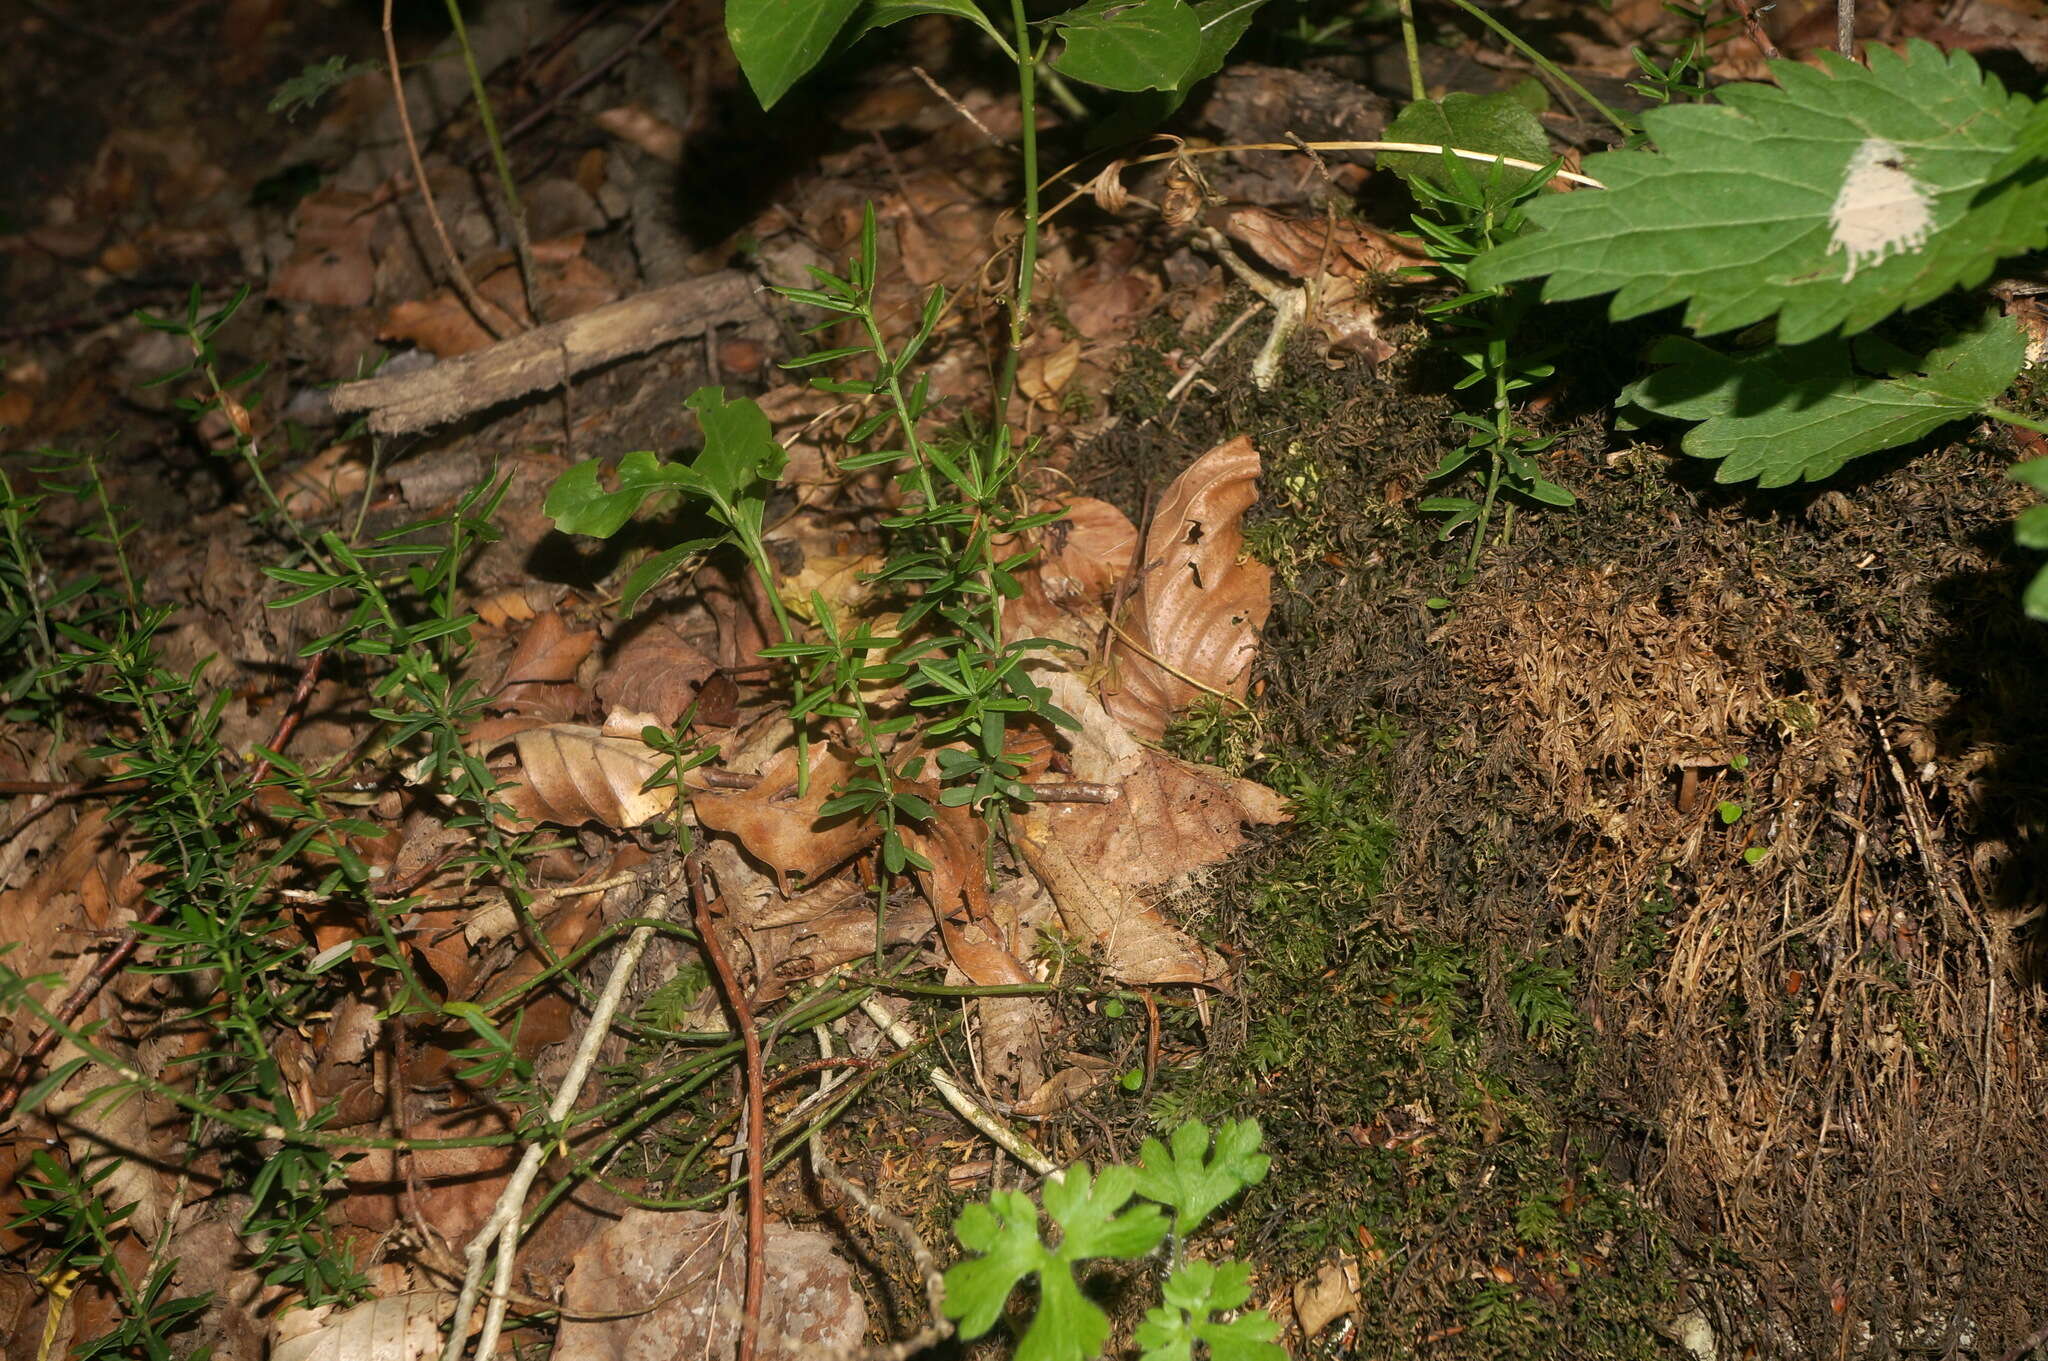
column 548, row 356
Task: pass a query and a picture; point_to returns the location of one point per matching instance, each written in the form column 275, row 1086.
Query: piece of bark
column 549, row 355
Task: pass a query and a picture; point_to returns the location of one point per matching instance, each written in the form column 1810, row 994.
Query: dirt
column 1659, row 943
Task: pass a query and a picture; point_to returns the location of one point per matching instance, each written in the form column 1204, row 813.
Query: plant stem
column 513, row 207
column 1999, row 413
column 1543, row 63
column 1414, row 51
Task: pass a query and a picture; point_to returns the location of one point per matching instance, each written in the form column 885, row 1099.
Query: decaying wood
column 550, row 355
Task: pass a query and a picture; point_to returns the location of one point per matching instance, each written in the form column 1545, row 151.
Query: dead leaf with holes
column 785, row 832
column 1192, row 625
column 331, row 260
column 671, row 1285
column 573, row 775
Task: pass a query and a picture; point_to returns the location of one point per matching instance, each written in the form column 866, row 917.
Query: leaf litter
column 1164, row 620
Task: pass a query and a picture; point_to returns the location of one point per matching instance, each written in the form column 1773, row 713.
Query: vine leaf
column 1829, row 200
column 1194, row 1294
column 1093, row 1222
column 740, row 457
column 1187, row 1176
column 1784, row 414
column 1496, row 123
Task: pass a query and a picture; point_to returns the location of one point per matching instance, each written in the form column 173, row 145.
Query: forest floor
column 1635, row 950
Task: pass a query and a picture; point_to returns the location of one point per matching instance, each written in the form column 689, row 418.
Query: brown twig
column 481, row 309
column 2034, row 1339
column 757, row 1113
column 1755, row 29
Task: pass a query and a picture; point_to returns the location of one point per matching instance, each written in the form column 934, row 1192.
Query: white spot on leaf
column 1881, row 210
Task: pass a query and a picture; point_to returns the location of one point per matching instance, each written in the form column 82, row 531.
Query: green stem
column 757, row 557
column 1543, row 63
column 513, row 206
column 1414, row 51
column 1999, row 413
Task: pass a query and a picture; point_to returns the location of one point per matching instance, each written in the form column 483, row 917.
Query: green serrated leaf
column 1093, row 1222
column 1192, row 1180
column 1783, row 414
column 1829, row 200
column 1005, row 1232
column 777, row 41
column 1129, row 44
column 1193, row 1295
column 1497, row 123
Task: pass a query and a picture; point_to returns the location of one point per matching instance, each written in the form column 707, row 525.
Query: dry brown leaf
column 397, row 1328
column 1302, row 248
column 657, row 672
column 782, row 831
column 1107, row 297
column 331, row 261
column 1137, row 943
column 650, row 132
column 1192, row 626
column 572, row 775
column 1043, row 377
column 1087, row 551
column 569, row 285
column 1327, row 1296
column 539, row 680
column 673, row 1281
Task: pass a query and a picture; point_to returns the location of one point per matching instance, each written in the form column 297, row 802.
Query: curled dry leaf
column 572, row 775
column 656, row 671
column 1192, row 626
column 540, row 678
column 956, row 886
column 1087, row 551
column 671, row 1286
column 785, row 832
column 397, row 1328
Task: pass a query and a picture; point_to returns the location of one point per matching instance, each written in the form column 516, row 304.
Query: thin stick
column 1755, row 29
column 590, row 77
column 965, row 1106
column 757, row 1113
column 940, row 1328
column 521, row 243
column 502, row 1228
column 457, row 274
column 1845, row 28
